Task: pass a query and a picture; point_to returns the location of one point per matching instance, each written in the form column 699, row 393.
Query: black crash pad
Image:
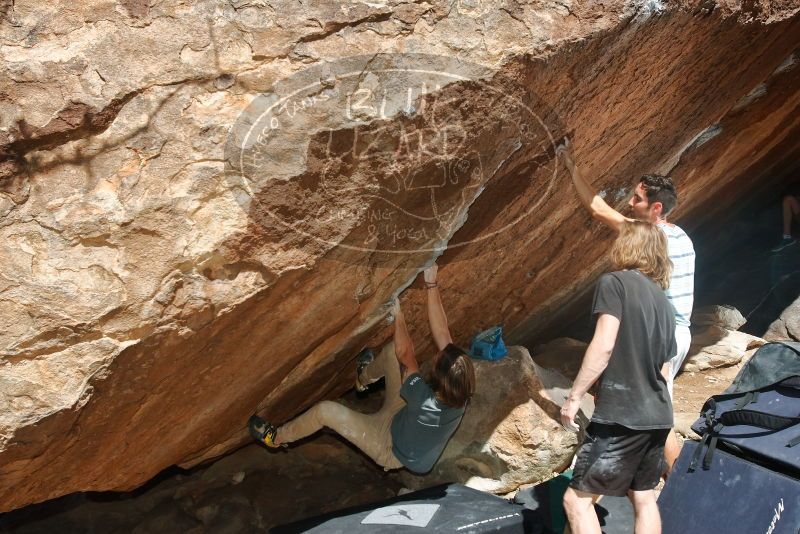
column 734, row 496
column 450, row 508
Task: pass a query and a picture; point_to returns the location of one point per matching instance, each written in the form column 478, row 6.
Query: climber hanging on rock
column 419, row 414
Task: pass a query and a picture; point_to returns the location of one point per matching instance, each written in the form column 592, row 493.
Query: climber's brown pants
column 369, row 432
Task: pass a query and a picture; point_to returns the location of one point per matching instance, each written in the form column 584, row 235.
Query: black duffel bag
column 758, row 416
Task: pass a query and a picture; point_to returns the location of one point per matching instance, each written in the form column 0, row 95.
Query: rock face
column 163, row 272
column 715, row 341
column 726, row 317
column 510, row 434
column 787, row 326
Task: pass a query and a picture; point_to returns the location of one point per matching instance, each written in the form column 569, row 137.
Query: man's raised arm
column 598, row 207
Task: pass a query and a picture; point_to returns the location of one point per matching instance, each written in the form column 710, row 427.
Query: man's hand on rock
column 568, row 412
column 564, row 152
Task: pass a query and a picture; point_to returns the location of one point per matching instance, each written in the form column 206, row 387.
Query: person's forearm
column 585, row 191
column 594, row 363
column 598, row 207
column 437, row 319
column 403, row 346
column 402, row 339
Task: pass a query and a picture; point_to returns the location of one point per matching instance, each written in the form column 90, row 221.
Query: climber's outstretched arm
column 403, row 346
column 436, row 316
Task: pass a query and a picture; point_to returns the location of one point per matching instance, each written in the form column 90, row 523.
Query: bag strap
column 712, row 446
column 750, row 396
column 755, row 418
column 712, row 428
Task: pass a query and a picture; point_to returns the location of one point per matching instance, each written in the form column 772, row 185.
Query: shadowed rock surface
column 152, row 301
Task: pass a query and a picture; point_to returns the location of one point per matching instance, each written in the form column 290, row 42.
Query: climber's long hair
column 641, row 245
column 452, row 376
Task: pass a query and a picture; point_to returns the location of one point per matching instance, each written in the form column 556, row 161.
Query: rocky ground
column 254, row 489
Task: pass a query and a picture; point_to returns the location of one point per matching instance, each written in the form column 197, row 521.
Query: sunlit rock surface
column 165, row 271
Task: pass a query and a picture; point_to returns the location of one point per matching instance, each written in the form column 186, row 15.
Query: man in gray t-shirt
column 645, row 342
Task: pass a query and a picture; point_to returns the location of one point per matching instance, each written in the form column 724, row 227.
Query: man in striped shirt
column 653, row 199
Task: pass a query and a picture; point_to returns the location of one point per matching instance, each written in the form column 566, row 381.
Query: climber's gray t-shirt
column 420, row 430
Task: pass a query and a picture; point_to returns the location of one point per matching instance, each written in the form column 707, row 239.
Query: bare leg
column 791, row 207
column 672, row 449
column 579, row 507
column 645, row 508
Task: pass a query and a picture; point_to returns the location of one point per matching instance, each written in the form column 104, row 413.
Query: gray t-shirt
column 420, row 430
column 633, row 392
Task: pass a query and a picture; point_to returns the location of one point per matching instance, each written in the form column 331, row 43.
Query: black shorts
column 614, row 459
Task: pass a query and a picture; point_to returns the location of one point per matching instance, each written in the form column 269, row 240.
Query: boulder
column 562, row 354
column 715, row 346
column 179, row 248
column 787, row 326
column 510, row 434
column 724, row 316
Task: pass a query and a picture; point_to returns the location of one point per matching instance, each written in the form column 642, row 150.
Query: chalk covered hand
column 568, row 412
column 564, row 152
column 430, row 274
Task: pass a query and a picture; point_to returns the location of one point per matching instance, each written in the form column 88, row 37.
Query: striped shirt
column 681, row 285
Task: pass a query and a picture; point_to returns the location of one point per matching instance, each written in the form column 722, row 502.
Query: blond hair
column 642, row 246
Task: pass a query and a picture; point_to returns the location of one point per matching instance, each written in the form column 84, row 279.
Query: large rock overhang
column 148, row 310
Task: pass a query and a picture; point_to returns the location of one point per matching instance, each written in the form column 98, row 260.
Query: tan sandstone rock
column 727, row 317
column 715, row 346
column 787, row 326
column 156, row 289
